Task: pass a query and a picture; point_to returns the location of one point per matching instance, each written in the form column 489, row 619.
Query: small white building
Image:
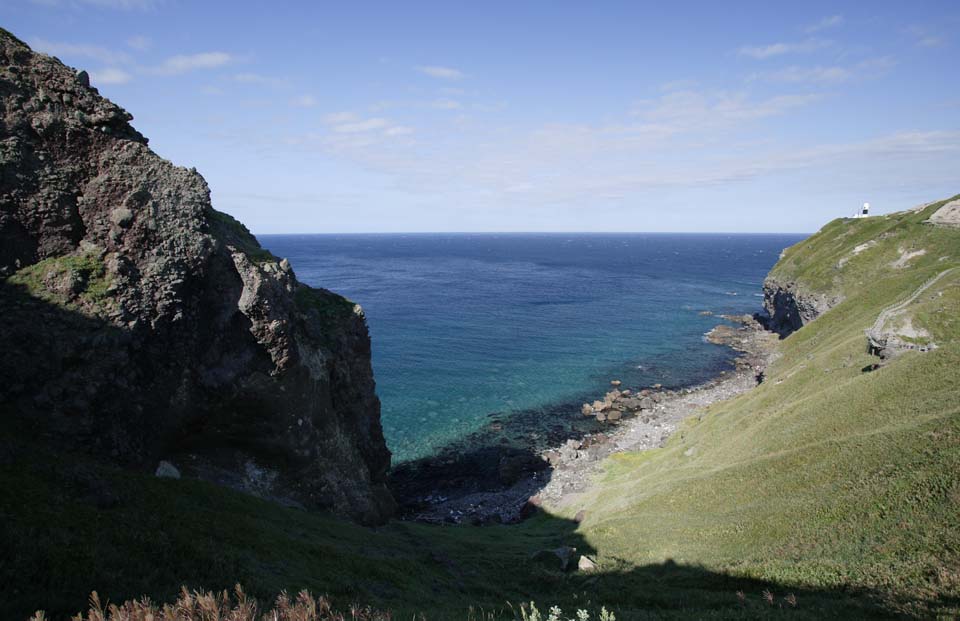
column 864, row 211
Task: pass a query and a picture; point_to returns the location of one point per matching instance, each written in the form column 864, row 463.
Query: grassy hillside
column 828, row 475
column 831, row 483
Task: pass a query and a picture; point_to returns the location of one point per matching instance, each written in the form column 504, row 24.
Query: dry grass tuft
column 209, row 606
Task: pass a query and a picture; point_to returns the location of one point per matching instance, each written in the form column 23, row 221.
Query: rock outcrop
column 141, row 325
column 789, row 306
column 948, row 215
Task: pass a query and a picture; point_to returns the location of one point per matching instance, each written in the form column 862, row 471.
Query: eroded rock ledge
column 140, row 325
column 788, row 306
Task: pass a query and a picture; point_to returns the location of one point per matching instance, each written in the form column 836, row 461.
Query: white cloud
column 80, row 50
column 696, row 111
column 808, row 74
column 140, row 42
column 189, row 62
column 763, row 52
column 110, row 75
column 339, row 117
column 925, row 38
column 353, row 132
column 361, row 126
column 256, row 78
column 444, row 73
column 870, row 68
column 124, row 5
column 304, row 101
column 832, row 21
column 445, row 104
column 398, row 130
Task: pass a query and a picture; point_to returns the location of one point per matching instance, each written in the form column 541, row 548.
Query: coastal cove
column 471, row 330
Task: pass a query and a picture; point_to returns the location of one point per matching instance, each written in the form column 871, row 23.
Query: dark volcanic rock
column 788, row 307
column 139, row 324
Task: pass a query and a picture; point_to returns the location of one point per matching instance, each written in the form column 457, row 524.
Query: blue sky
column 530, row 116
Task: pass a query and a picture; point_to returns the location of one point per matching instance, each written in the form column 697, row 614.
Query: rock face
column 948, row 215
column 140, row 325
column 788, row 307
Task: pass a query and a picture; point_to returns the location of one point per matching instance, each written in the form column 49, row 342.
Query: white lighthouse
column 863, row 212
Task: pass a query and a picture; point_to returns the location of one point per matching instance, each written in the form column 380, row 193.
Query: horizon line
column 545, row 233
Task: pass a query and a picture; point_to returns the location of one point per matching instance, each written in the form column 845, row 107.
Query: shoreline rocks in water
column 505, row 476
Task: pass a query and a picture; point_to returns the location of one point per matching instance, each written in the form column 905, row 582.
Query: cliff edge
column 141, row 325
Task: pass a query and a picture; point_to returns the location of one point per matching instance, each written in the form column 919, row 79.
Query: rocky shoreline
column 497, row 476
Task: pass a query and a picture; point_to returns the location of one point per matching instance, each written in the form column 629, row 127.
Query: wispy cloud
column 696, row 111
column 335, row 118
column 184, row 63
column 925, row 38
column 359, row 126
column 444, row 73
column 80, row 50
column 256, row 78
column 835, row 74
column 123, row 5
column 806, row 74
column 110, row 75
column 140, row 42
column 832, row 21
column 398, row 130
column 445, row 104
column 304, row 101
column 762, row 52
column 351, row 132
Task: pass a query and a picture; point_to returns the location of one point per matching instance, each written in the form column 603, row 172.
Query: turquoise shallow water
column 471, row 324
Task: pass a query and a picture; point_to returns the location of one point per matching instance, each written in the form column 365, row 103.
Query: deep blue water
column 470, row 324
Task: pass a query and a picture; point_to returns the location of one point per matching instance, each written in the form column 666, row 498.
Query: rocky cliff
column 140, row 325
column 789, row 306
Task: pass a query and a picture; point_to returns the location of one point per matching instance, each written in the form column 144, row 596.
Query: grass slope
column 829, row 483
column 826, row 476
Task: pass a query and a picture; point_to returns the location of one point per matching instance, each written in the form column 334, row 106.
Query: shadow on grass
column 61, row 541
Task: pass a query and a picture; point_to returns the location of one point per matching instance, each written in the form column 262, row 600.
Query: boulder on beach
column 598, row 405
column 626, row 392
column 614, row 415
column 586, row 409
column 615, row 382
column 647, row 403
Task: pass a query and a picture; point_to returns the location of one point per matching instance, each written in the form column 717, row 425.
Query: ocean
column 465, row 326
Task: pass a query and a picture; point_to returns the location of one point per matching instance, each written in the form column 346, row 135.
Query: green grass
column 826, row 475
column 60, row 543
column 235, row 233
column 828, row 482
column 88, row 287
column 327, row 304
